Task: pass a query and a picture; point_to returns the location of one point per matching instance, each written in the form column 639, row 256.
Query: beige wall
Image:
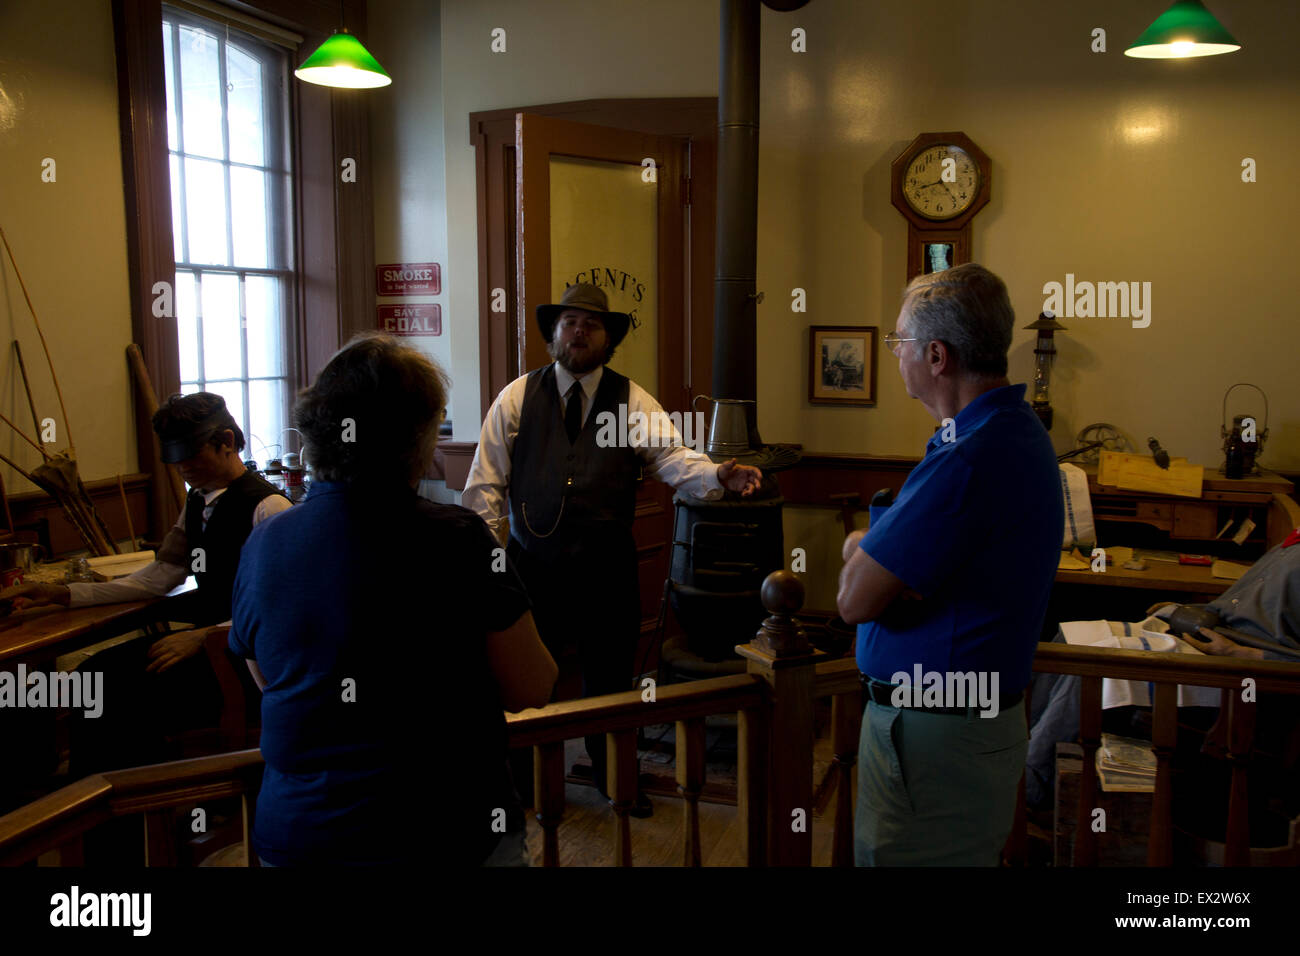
column 557, row 51
column 59, row 100
column 406, row 138
column 1103, row 166
column 406, row 142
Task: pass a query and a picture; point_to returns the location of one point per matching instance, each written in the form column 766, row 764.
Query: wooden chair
column 1283, row 516
column 233, row 730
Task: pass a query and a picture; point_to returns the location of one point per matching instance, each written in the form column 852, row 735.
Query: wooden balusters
column 623, row 770
column 690, row 781
column 548, row 796
column 72, row 853
column 159, row 837
column 751, row 783
column 1164, row 736
column 246, row 819
column 846, row 724
column 1241, row 736
column 1085, row 839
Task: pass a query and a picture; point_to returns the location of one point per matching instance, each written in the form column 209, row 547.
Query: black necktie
column 573, row 413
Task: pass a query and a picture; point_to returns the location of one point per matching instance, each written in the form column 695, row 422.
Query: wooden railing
column 619, row 716
column 1241, row 680
column 774, row 703
column 59, row 821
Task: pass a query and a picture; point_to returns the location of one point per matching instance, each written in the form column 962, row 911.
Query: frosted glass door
column 605, row 230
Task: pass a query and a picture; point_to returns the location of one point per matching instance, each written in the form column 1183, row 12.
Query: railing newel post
column 781, row 654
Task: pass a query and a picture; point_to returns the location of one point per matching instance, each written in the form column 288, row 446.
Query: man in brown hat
column 572, row 492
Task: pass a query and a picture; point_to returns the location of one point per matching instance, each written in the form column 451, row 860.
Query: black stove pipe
column 735, row 312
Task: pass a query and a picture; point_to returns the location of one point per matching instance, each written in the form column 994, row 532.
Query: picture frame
column 842, row 364
column 953, row 245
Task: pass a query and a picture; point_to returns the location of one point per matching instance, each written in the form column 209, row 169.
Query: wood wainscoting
column 817, row 481
column 812, row 482
column 35, row 512
column 820, row 477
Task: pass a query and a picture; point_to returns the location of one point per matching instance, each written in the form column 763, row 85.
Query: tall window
column 227, row 112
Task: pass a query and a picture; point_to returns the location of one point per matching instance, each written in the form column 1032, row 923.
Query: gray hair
column 968, row 309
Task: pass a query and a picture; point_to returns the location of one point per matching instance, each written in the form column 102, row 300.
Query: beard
column 577, row 362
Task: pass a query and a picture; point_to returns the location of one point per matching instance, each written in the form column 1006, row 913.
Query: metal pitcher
column 16, row 558
column 728, row 427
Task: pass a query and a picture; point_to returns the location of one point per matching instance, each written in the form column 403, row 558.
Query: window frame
column 278, row 162
column 334, row 287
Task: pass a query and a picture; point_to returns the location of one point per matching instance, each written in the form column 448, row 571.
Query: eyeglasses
column 893, row 340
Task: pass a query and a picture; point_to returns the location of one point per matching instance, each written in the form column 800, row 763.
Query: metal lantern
column 1044, row 357
column 1243, row 444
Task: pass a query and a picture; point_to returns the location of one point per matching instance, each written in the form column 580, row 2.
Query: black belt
column 883, row 694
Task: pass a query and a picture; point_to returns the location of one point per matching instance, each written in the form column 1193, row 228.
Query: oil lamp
column 1244, row 442
column 1044, row 356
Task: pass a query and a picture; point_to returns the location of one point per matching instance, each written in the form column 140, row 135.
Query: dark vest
column 570, row 498
column 221, row 541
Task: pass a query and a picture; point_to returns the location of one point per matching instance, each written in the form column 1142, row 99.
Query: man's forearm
column 152, row 581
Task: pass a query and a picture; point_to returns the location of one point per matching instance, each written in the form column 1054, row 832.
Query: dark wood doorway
column 683, row 132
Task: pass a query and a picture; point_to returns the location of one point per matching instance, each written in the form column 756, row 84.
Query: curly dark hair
column 180, row 416
column 373, row 412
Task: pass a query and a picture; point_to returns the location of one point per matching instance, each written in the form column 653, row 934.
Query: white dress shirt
column 663, row 456
column 159, row 577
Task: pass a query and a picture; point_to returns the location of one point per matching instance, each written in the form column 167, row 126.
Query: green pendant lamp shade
column 1185, row 29
column 343, row 62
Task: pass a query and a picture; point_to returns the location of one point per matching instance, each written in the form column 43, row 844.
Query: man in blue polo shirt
column 949, row 589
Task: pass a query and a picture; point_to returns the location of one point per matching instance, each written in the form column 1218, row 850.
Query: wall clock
column 939, row 182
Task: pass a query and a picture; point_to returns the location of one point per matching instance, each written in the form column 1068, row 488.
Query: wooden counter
column 1159, row 575
column 45, row 632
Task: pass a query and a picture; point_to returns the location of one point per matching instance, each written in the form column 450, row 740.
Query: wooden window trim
column 333, row 292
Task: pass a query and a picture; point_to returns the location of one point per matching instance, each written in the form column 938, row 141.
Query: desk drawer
column 1195, row 519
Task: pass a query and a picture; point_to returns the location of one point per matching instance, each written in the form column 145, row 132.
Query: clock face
column 941, row 181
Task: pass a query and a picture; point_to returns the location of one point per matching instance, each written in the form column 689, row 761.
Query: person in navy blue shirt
column 949, row 589
column 388, row 633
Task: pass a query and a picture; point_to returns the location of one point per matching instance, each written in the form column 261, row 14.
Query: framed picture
column 935, row 251
column 842, row 370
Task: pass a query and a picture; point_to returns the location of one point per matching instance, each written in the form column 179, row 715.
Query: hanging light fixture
column 1185, row 29
column 341, row 61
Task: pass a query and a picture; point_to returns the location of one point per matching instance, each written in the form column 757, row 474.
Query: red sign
column 408, row 278
column 411, row 319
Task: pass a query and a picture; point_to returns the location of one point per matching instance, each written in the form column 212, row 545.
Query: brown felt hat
column 591, row 299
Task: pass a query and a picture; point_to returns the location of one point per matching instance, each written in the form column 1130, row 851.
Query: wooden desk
column 1264, row 497
column 45, row 632
column 1159, row 575
column 1191, row 524
column 35, row 637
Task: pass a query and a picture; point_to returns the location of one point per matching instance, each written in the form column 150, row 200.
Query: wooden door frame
column 540, row 138
column 493, row 134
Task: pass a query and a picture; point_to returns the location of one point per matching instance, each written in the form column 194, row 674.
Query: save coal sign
column 409, row 278
column 411, row 319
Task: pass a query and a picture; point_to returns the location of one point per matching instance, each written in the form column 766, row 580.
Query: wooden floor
column 587, row 830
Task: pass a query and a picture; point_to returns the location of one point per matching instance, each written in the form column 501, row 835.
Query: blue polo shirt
column 976, row 530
